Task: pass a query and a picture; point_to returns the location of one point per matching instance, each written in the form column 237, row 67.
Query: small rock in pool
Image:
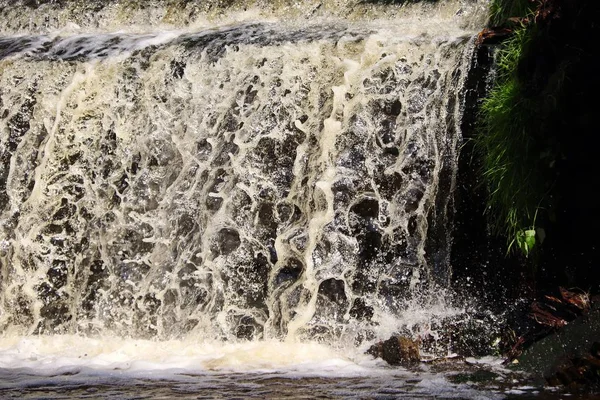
column 397, row 350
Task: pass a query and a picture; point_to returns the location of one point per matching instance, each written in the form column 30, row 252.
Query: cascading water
column 256, row 180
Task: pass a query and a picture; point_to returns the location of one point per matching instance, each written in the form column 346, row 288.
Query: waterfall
column 227, row 175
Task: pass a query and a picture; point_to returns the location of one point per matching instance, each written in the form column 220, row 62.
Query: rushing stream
column 198, row 199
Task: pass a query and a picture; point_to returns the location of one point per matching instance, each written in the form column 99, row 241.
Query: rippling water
column 391, row 385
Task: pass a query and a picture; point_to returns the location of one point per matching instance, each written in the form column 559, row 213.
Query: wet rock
column 569, row 354
column 397, row 350
column 177, row 69
column 361, row 311
column 227, row 241
column 248, row 328
column 545, row 317
column 579, row 372
column 290, row 272
column 332, row 300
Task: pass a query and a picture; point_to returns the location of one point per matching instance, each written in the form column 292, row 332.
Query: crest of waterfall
column 239, row 181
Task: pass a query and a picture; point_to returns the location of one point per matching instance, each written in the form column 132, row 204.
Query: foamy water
column 69, row 366
column 49, row 354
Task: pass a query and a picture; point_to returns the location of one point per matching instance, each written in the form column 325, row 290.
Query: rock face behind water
column 397, row 350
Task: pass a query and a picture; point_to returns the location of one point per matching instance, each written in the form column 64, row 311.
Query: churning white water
column 237, row 199
column 254, row 181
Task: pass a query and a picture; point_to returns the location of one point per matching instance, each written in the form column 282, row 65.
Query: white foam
column 47, row 355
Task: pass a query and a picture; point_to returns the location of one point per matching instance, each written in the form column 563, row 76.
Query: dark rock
column 566, row 354
column 578, row 372
column 544, row 316
column 397, row 350
column 227, row 241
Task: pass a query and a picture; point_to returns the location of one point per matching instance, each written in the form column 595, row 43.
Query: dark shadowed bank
column 528, row 177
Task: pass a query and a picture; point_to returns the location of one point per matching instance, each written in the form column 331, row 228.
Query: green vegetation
column 536, row 134
column 516, row 156
column 502, row 10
